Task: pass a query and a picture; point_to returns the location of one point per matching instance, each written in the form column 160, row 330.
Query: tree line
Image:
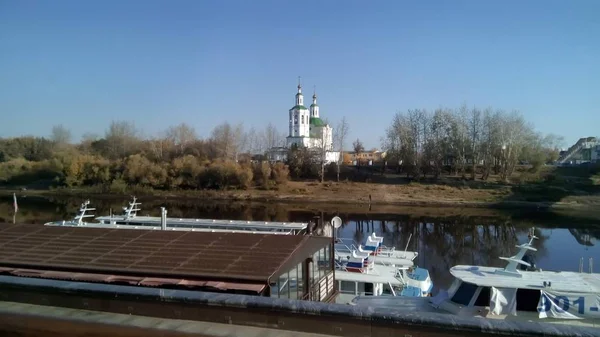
column 177, row 159
column 467, row 141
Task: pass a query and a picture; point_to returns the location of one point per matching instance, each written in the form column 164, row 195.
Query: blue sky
column 160, row 63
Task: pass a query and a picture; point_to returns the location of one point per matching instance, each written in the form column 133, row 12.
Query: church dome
column 316, row 121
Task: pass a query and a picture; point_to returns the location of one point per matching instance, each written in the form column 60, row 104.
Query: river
column 444, row 237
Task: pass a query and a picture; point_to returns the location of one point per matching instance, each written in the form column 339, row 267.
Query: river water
column 444, row 237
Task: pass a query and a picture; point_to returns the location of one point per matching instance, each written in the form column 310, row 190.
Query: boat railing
column 590, row 265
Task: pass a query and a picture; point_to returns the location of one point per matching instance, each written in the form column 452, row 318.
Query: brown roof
column 189, row 255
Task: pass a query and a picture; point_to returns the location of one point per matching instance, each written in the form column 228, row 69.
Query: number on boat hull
column 568, row 306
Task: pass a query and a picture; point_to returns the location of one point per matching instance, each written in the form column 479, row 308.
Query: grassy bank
column 464, row 194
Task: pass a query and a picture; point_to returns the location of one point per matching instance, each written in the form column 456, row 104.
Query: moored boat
column 362, row 272
column 519, row 291
column 131, row 220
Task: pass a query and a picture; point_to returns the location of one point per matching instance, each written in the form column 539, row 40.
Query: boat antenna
column 407, row 243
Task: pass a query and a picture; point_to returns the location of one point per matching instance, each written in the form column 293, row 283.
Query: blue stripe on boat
column 354, row 265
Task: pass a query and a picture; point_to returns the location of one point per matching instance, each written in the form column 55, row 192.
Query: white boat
column 515, row 292
column 363, row 273
column 378, row 252
column 130, row 220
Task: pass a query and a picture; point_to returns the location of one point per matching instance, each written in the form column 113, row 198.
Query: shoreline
column 343, row 194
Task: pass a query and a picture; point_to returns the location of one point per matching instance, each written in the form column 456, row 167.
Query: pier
column 35, row 307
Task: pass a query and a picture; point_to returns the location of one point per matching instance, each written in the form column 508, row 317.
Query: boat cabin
column 520, row 292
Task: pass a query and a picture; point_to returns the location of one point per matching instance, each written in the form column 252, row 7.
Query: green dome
column 315, row 121
column 299, row 107
column 312, row 105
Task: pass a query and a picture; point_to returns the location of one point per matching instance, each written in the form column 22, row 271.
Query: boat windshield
column 464, row 293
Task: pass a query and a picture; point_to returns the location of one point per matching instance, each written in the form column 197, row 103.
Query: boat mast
column 514, row 261
column 79, row 218
column 131, row 210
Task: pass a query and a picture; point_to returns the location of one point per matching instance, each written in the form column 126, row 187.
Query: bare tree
column 323, row 148
column 228, row 140
column 181, row 136
column 358, row 147
column 475, row 125
column 253, row 141
column 513, row 130
column 160, row 148
column 460, row 136
column 490, row 141
column 553, row 144
column 341, row 132
column 121, row 137
column 60, row 135
column 87, row 140
column 240, row 140
column 438, row 143
column 272, row 137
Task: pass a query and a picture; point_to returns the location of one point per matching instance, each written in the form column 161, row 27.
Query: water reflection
column 441, row 240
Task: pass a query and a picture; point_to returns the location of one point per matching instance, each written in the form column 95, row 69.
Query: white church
column 307, row 129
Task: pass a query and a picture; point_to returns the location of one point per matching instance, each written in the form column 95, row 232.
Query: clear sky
column 160, row 63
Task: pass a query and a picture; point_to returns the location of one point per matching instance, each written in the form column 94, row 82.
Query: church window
column 302, row 119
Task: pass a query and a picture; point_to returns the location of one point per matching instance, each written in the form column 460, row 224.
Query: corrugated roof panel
column 199, row 254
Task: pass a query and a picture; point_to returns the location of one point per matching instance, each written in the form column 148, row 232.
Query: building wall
column 299, row 122
column 299, row 141
column 375, row 156
column 332, row 157
column 318, row 273
column 277, row 154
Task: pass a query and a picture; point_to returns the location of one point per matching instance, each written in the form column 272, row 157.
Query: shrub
column 262, row 173
column 280, row 173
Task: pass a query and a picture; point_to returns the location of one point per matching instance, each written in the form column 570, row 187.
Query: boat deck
column 149, row 222
column 380, row 274
column 561, row 281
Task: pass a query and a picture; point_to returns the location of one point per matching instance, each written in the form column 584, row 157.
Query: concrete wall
column 278, row 314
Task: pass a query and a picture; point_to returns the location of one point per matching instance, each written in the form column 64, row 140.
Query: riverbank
column 465, row 194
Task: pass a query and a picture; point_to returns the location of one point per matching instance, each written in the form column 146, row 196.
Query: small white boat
column 379, row 253
column 363, row 273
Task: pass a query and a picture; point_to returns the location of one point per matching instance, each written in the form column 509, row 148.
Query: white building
column 307, row 129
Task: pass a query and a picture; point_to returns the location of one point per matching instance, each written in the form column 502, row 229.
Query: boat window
column 347, row 287
column 528, row 299
column 293, row 283
column 386, row 289
column 369, row 289
column 284, row 290
column 464, row 294
column 274, row 289
column 300, row 283
column 483, row 300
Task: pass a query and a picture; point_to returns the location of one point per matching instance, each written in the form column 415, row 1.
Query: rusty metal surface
column 216, row 256
column 133, row 280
